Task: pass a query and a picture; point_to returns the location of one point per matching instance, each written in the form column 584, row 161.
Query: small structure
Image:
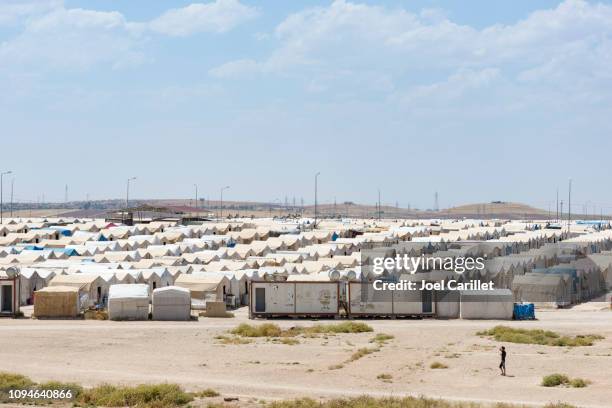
column 204, row 287
column 495, row 304
column 57, row 301
column 128, row 302
column 93, row 289
column 295, row 298
column 9, row 292
column 171, row 303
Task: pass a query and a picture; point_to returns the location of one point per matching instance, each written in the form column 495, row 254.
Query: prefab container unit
column 365, row 301
column 496, row 304
column 128, row 302
column 171, row 303
column 277, row 299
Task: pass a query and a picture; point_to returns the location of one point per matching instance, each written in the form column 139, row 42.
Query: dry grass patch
column 235, row 340
column 388, row 402
column 384, row 377
column 436, row 365
column 273, row 330
column 536, row 336
column 555, row 380
column 146, row 396
column 11, row 381
column 362, row 352
column 382, row 338
column 207, row 393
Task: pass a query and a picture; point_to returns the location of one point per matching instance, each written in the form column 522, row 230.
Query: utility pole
column 379, row 204
column 12, row 185
column 557, row 219
column 223, row 188
column 66, row 194
column 436, row 205
column 196, row 198
column 316, row 204
column 127, row 193
column 569, row 207
column 1, row 193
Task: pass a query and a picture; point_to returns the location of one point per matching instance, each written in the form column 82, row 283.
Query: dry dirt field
column 94, row 352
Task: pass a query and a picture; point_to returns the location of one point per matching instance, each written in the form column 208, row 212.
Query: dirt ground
column 94, row 352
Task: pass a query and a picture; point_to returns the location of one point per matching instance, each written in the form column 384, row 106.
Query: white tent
column 496, row 304
column 171, row 303
column 128, row 302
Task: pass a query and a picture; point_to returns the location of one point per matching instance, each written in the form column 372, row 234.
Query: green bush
column 554, row 380
column 262, row 330
column 388, row 402
column 578, row 383
column 207, row 393
column 273, row 330
column 144, row 396
column 537, row 336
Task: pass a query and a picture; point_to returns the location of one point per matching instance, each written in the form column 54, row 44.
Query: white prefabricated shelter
column 171, row 303
column 307, row 298
column 496, row 304
column 365, row 300
column 128, row 302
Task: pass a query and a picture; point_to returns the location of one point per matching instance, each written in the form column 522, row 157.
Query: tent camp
column 128, row 302
column 57, row 301
column 171, row 303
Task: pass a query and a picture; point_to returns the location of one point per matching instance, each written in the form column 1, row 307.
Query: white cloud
column 12, row 12
column 53, row 36
column 235, row 69
column 359, row 37
column 216, row 17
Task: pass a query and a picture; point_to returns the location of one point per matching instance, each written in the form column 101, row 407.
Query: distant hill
column 497, row 209
column 504, row 210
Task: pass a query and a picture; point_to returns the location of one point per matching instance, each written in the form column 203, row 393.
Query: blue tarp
column 524, row 311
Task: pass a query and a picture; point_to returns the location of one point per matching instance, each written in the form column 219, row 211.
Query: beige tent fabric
column 56, row 301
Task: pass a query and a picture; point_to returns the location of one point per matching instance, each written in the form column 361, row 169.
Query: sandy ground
column 94, row 352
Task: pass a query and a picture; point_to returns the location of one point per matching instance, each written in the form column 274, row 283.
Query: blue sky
column 477, row 100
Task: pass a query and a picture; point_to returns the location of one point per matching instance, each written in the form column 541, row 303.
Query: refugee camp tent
column 543, row 288
column 128, row 302
column 495, row 304
column 57, row 301
column 205, row 286
column 171, row 303
column 92, row 288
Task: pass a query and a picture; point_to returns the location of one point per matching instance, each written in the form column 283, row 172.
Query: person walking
column 502, row 365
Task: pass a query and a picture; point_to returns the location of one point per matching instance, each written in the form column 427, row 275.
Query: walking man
column 502, row 365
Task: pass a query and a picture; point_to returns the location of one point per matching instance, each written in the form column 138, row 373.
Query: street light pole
column 223, row 188
column 379, row 204
column 316, row 203
column 1, row 194
column 127, row 193
column 569, row 207
column 12, row 185
column 196, row 197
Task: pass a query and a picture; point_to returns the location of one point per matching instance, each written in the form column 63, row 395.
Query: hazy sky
column 478, row 100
